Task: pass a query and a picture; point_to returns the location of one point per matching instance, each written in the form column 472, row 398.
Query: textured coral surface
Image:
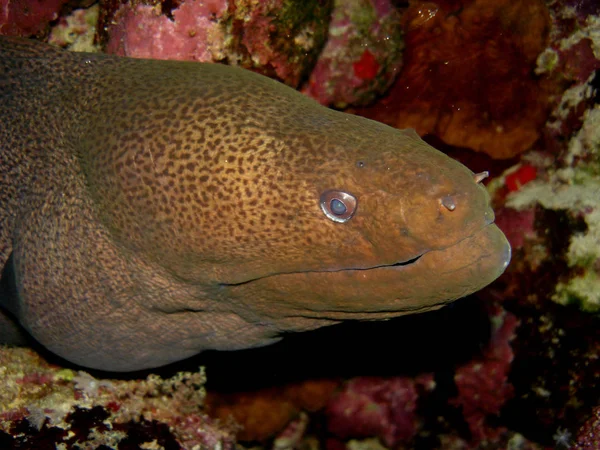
column 363, row 54
column 43, row 405
column 279, row 38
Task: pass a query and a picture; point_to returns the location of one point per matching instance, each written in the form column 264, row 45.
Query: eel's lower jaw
column 305, row 300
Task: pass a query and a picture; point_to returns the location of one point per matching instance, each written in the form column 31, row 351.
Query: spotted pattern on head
column 198, row 173
column 205, row 174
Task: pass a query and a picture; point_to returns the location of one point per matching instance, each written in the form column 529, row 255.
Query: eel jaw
column 426, row 282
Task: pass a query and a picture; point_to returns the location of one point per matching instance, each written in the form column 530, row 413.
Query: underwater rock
column 280, row 38
column 363, row 54
column 28, row 17
column 264, row 413
column 468, row 75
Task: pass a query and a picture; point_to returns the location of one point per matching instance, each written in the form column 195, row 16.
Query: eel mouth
column 402, row 263
column 425, row 282
column 487, row 245
column 504, row 258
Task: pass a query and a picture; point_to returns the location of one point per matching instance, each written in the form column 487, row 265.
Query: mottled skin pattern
column 156, row 209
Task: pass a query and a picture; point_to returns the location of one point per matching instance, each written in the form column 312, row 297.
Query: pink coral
column 278, row 38
column 362, row 56
column 483, row 386
column 518, row 226
column 142, row 31
column 373, row 406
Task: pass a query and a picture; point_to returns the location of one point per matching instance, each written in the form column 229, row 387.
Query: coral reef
column 588, row 436
column 42, row 405
column 363, row 54
column 382, row 407
column 279, row 38
column 455, row 405
column 395, row 409
column 574, row 189
column 76, row 31
column 569, row 161
column 552, row 222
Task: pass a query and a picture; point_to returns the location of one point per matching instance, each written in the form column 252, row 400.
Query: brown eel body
column 151, row 210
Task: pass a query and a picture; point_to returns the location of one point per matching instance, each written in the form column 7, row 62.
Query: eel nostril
column 479, row 177
column 448, row 202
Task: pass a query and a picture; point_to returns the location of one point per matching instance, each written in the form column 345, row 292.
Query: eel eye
column 339, row 206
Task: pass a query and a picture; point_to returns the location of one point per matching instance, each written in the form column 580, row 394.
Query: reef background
column 509, row 86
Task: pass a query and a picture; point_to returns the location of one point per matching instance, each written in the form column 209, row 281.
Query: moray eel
column 151, row 210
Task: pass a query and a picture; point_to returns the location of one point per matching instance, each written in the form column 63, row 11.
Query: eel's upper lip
column 502, row 260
